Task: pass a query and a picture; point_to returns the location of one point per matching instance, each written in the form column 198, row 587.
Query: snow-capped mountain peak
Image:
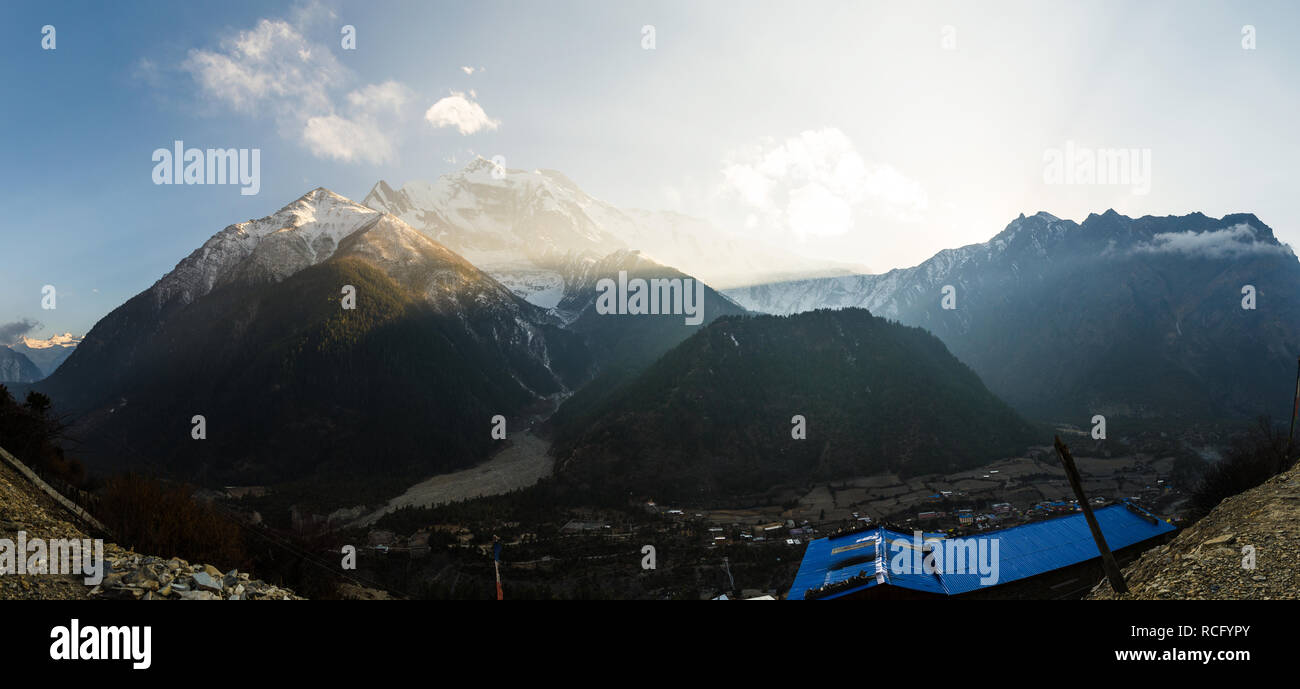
column 497, row 216
column 521, row 226
column 303, row 233
column 66, row 340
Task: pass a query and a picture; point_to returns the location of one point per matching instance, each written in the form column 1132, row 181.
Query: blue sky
column 873, row 132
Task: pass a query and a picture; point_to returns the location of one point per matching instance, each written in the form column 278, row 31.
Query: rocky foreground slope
column 127, row 574
column 1209, row 559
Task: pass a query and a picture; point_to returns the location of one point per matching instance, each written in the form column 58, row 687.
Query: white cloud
column 388, row 96
column 1237, row 240
column 275, row 69
column 816, row 184
column 272, row 64
column 332, row 136
column 10, row 332
column 471, row 70
column 815, row 210
column 461, row 112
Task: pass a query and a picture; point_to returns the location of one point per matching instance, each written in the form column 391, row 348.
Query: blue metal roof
column 882, row 556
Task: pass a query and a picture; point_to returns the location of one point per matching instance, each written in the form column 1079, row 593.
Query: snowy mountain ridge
column 523, row 227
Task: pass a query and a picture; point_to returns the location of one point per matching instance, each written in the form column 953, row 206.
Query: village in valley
column 750, row 550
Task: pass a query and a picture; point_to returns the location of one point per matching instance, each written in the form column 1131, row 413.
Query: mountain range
column 477, row 297
column 49, row 353
column 250, row 332
column 30, row 359
column 1144, row 318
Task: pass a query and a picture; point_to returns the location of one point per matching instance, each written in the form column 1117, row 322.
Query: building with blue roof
column 1054, row 558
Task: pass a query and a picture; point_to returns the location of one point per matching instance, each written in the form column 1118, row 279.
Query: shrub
column 161, row 518
column 1253, row 457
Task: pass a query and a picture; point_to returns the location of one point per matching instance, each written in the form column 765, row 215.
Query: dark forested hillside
column 622, row 346
column 714, row 415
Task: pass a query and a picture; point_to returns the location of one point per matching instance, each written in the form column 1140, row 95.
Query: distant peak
column 315, row 223
column 317, row 197
column 478, row 164
column 1248, row 218
column 64, row 340
column 1110, row 214
column 380, row 190
column 1040, row 215
column 321, row 192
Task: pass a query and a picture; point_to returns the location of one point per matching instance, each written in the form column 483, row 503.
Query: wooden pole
column 1107, row 559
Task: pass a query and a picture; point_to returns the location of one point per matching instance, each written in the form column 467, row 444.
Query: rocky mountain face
column 251, row 332
column 715, row 417
column 17, row 368
column 528, row 229
column 1147, row 318
column 49, row 353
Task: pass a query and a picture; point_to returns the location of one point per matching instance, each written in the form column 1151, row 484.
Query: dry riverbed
column 524, row 462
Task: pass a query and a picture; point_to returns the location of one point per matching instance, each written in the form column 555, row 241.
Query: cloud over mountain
column 10, row 332
column 1237, row 240
column 815, row 184
column 460, row 111
column 275, row 69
